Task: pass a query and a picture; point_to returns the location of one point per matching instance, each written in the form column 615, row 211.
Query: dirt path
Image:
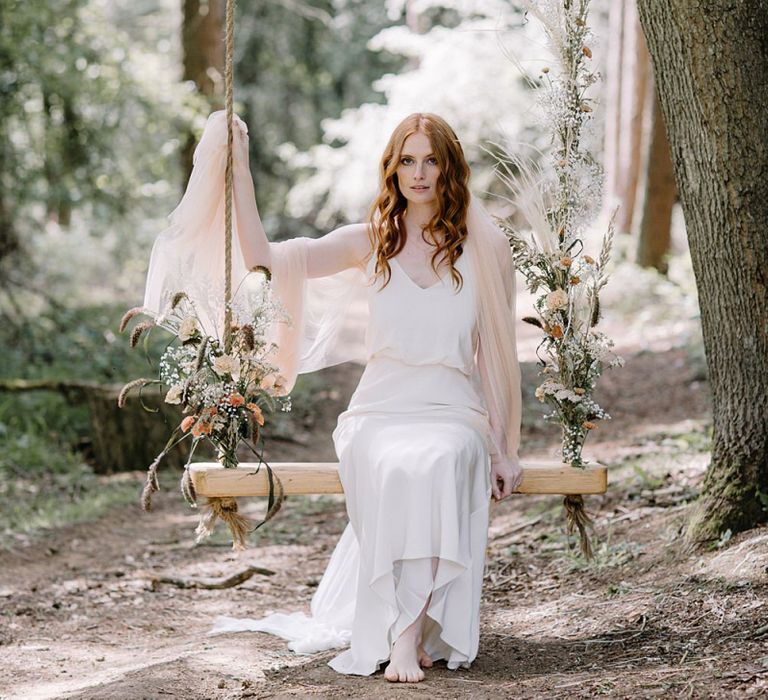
column 82, row 619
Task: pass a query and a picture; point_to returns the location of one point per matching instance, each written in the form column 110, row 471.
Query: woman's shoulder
column 359, row 241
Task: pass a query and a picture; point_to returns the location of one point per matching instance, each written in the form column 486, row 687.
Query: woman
column 432, row 430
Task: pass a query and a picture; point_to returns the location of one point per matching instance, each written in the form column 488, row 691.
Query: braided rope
column 228, row 74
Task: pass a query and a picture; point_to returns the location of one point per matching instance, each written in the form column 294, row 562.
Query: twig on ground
column 229, row 582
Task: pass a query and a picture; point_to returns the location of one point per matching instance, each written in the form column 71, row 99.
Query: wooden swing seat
column 250, row 479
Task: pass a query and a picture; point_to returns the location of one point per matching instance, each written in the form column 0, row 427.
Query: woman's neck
column 417, row 216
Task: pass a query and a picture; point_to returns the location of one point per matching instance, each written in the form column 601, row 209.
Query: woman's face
column 417, row 171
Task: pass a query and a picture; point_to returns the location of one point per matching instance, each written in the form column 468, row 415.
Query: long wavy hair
column 387, row 225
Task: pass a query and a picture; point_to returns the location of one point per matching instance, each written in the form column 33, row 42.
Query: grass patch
column 606, row 555
column 45, row 480
column 45, row 484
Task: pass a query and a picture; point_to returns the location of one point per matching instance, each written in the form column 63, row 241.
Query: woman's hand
column 240, row 153
column 506, row 476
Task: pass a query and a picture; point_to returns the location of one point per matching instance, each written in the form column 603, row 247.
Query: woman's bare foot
column 404, row 660
column 407, row 656
column 424, row 660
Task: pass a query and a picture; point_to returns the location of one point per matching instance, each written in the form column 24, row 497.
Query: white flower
column 567, row 395
column 174, row 394
column 557, row 299
column 187, row 328
column 602, row 353
column 275, row 384
column 226, row 364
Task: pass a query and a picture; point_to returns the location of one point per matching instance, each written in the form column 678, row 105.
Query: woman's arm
column 506, row 474
column 345, row 247
column 498, row 434
column 250, row 231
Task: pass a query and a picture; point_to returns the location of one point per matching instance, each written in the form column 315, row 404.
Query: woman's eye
column 407, row 161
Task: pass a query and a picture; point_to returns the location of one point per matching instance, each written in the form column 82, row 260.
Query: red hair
column 386, row 212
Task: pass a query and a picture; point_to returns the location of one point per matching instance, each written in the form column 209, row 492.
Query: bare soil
column 649, row 617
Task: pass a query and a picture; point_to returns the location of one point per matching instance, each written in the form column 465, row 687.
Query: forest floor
column 648, row 617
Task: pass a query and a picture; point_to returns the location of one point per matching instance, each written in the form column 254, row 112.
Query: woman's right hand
column 240, row 151
column 506, row 476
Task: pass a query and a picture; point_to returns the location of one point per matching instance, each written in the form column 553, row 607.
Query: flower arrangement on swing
column 556, row 205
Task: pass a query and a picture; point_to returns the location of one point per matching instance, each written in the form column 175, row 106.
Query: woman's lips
column 420, row 188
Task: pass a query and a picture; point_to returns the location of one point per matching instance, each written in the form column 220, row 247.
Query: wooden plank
column 211, row 479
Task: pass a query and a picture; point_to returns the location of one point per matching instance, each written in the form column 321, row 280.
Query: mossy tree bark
column 710, row 58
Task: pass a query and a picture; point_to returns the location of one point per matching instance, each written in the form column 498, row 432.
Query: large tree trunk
column 710, row 60
column 659, row 193
column 202, row 39
column 636, row 71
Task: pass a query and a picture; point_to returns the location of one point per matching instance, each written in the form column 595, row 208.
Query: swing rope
column 228, row 98
column 225, row 507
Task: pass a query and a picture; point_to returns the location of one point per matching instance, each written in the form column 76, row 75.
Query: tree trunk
column 659, row 193
column 711, row 63
column 202, row 40
column 129, row 438
column 613, row 103
column 634, row 87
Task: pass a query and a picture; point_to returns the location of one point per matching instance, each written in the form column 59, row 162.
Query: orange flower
column 556, row 332
column 236, row 400
column 201, row 428
column 589, row 425
column 565, row 261
column 586, row 51
column 578, row 390
column 575, row 280
column 258, row 416
column 588, row 260
column 188, row 422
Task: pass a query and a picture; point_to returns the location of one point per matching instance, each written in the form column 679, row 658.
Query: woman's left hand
column 506, row 476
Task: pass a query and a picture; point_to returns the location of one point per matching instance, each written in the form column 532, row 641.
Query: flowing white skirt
column 413, row 460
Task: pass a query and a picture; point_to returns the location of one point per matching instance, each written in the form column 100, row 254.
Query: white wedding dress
column 415, row 467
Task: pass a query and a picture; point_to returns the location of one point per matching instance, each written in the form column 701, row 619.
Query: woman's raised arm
column 345, row 247
column 250, row 231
